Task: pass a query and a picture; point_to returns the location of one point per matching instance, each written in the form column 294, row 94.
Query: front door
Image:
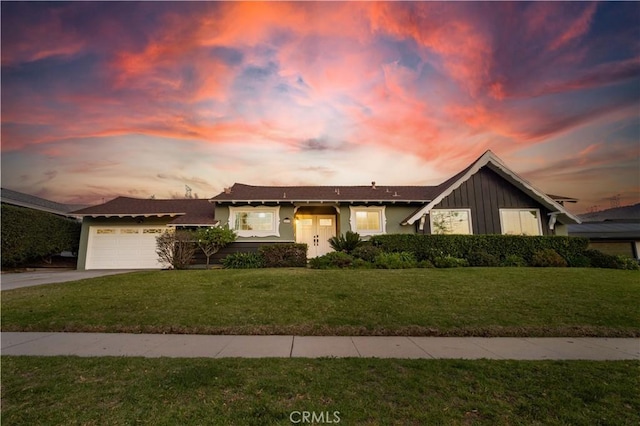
column 315, row 231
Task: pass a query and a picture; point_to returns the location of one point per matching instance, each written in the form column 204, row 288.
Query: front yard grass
column 70, row 390
column 454, row 302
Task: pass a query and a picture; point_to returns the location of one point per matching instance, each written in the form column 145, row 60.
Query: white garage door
column 111, row 247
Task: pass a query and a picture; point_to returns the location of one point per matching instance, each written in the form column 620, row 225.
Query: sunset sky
column 141, row 99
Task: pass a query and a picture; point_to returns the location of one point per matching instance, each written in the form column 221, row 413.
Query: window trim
column 468, row 211
column 526, row 209
column 383, row 219
column 274, row 232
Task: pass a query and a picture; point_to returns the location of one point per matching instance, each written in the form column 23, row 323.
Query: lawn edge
column 312, row 330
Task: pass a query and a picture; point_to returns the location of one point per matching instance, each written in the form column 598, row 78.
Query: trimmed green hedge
column 31, row 235
column 284, row 255
column 431, row 247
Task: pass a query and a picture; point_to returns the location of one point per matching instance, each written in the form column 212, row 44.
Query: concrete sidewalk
column 191, row 346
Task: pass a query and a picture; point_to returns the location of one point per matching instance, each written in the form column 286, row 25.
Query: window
column 520, row 222
column 451, row 221
column 368, row 220
column 152, row 231
column 325, row 222
column 255, row 221
column 106, row 231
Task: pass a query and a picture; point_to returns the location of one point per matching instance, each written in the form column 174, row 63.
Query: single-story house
column 485, row 198
column 613, row 231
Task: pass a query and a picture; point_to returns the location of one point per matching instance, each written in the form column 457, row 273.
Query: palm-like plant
column 345, row 243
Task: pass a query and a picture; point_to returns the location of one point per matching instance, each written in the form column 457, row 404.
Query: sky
column 142, row 99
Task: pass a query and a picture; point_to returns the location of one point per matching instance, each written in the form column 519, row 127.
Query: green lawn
column 118, row 391
column 455, row 302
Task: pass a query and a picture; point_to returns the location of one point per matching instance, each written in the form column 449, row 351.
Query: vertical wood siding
column 485, row 193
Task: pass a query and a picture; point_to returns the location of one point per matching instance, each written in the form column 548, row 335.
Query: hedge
column 284, row 255
column 431, row 247
column 32, row 235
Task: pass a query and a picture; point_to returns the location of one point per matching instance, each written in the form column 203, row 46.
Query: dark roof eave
column 131, row 214
column 317, row 201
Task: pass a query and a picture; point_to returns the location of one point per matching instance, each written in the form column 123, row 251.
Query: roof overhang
column 211, row 225
column 295, row 201
column 490, row 158
column 121, row 215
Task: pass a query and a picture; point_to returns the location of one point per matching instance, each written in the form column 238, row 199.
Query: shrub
column 243, row 261
column 627, row 263
column 346, row 243
column 461, row 246
column 335, row 259
column 33, row 235
column 603, row 260
column 400, row 260
column 425, row 264
column 579, row 261
column 449, row 262
column 366, row 252
column 284, row 255
column 361, row 264
column 175, row 248
column 548, row 258
column 513, row 260
column 600, row 260
column 482, row 258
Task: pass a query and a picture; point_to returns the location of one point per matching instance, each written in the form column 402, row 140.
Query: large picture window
column 255, row 221
column 447, row 222
column 520, row 221
column 368, row 220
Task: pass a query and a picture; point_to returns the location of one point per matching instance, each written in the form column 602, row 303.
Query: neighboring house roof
column 278, row 194
column 619, row 223
column 618, row 213
column 21, row 199
column 607, row 230
column 186, row 211
column 491, row 160
column 428, row 195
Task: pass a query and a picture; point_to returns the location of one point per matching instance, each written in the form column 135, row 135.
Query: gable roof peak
column 447, row 187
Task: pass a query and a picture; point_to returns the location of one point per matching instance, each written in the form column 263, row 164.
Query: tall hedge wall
column 31, row 234
column 431, row 246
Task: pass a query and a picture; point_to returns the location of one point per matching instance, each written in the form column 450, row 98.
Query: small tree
column 211, row 240
column 175, row 248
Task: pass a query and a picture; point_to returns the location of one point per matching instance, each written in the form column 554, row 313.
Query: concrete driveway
column 10, row 281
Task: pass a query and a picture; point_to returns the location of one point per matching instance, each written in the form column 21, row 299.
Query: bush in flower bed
column 284, row 255
column 449, row 262
column 547, row 258
column 400, row 260
column 598, row 259
column 335, row 259
column 367, row 252
column 243, row 261
column 482, row 258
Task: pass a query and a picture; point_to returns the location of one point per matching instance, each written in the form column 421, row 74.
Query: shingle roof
column 189, row 211
column 30, row 201
column 618, row 213
column 606, row 230
column 242, row 192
